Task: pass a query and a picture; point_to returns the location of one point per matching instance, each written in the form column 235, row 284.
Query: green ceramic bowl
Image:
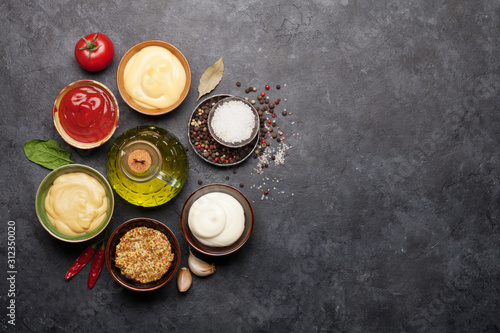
column 43, row 189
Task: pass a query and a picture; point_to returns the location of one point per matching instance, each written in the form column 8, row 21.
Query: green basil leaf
column 47, row 153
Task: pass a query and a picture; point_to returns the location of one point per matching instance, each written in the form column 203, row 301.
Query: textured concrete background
column 384, row 215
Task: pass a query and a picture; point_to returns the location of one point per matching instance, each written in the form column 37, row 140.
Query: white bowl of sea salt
column 233, row 122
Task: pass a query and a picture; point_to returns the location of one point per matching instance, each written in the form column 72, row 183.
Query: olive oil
column 147, row 166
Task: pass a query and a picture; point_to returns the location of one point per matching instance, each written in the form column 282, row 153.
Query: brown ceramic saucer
column 217, row 251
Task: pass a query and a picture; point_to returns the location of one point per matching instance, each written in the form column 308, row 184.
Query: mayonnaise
column 76, row 203
column 216, row 219
column 154, row 77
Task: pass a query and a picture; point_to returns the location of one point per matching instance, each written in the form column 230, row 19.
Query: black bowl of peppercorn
column 205, row 146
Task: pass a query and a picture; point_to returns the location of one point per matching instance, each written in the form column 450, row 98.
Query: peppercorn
column 267, row 87
column 238, row 84
column 283, row 112
column 241, row 184
column 200, row 182
column 278, row 86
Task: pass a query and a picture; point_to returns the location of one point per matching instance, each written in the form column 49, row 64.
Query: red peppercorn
column 267, row 87
column 206, row 147
column 279, row 99
column 198, row 146
column 230, row 159
column 216, row 159
column 198, row 137
column 274, row 115
column 263, row 141
column 263, row 94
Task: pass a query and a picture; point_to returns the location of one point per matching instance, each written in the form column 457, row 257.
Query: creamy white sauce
column 216, row 219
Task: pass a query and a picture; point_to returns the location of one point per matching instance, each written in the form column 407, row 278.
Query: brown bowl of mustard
column 142, row 254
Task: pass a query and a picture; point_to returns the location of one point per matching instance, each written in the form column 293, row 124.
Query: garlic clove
column 199, row 267
column 184, row 279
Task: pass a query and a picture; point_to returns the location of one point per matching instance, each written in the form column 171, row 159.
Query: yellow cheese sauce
column 216, row 219
column 154, row 77
column 76, row 203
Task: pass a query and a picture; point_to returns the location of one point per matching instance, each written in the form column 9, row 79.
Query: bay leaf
column 211, row 78
column 47, row 153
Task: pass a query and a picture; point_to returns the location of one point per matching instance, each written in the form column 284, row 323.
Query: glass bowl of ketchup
column 85, row 114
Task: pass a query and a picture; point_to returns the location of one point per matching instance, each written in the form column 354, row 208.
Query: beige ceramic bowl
column 120, row 77
column 57, row 121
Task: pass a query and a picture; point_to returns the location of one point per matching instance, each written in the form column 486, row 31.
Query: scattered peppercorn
column 266, row 192
column 267, row 87
column 200, row 182
column 283, row 112
column 254, row 88
column 278, row 86
column 238, row 84
column 241, row 184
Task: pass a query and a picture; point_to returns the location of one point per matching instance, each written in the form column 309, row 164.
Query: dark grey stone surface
column 384, row 215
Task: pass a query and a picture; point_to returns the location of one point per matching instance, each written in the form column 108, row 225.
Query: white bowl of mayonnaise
column 74, row 203
column 217, row 219
column 153, row 77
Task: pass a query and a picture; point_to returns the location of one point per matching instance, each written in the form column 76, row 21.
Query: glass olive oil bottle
column 147, row 166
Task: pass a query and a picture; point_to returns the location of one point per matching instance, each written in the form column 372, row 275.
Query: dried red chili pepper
column 81, row 261
column 96, row 267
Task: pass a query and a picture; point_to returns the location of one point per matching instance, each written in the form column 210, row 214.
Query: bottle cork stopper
column 139, row 161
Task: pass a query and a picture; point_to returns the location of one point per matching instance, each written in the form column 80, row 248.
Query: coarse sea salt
column 233, row 122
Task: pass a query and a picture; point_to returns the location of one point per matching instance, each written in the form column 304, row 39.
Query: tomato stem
column 91, row 46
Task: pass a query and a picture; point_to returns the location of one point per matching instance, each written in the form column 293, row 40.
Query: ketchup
column 87, row 114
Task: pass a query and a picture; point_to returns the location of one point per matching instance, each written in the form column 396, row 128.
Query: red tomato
column 94, row 52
